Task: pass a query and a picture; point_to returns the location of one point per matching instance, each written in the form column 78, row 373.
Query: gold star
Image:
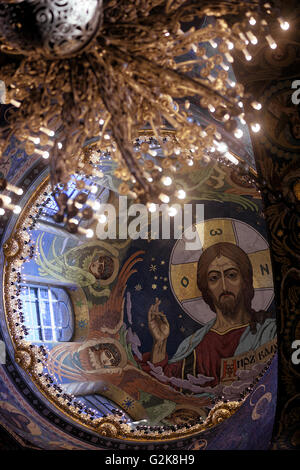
column 153, row 267
column 138, row 287
column 162, row 262
column 165, row 287
column 154, row 286
column 155, row 277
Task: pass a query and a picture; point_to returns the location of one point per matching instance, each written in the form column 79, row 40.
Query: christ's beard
column 229, row 305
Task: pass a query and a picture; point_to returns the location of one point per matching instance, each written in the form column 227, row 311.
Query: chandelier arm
column 218, row 7
column 121, row 141
column 197, row 87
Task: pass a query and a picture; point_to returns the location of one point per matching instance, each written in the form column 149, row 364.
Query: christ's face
column 225, row 284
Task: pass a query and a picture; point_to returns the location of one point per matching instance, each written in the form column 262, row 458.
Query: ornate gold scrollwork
column 221, row 412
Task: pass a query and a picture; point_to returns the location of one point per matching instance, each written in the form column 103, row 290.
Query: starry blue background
column 158, row 251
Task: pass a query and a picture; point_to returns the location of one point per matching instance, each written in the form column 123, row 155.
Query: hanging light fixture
column 77, row 70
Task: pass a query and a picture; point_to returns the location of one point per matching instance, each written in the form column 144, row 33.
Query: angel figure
column 93, row 265
column 103, row 365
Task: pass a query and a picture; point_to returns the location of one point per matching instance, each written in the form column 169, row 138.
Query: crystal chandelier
column 77, row 70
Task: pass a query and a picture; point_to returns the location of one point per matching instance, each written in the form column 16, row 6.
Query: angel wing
column 108, row 318
column 58, row 267
column 105, row 320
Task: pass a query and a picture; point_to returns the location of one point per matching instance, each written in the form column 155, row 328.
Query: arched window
column 48, row 313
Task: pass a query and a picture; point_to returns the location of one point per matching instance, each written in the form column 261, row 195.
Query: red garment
column 208, row 354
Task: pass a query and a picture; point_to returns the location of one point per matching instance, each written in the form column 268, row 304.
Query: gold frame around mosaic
column 30, row 361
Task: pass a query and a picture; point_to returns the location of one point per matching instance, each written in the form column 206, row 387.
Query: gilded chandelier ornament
column 76, row 70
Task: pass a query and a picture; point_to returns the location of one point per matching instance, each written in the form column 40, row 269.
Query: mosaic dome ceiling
column 106, row 339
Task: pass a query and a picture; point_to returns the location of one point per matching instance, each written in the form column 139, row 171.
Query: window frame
column 36, row 324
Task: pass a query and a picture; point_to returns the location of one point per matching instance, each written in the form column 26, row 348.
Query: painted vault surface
column 138, row 279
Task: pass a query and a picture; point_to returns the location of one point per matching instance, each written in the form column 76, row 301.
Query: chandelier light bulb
column 47, row 131
column 255, row 127
column 230, row 45
column 271, row 42
column 172, row 211
column 238, row 133
column 45, row 155
column 247, row 55
column 102, row 218
column 225, row 67
column 213, row 43
column 89, row 233
column 74, row 221
column 283, row 24
column 256, row 105
column 2, row 211
column 59, row 145
column 94, row 189
column 231, row 157
column 19, row 191
column 241, row 118
column 35, row 140
column 6, row 199
column 252, row 21
column 78, row 205
column 229, row 57
column 151, row 207
column 243, row 37
column 96, row 205
column 17, row 210
column 164, row 198
column 181, row 194
column 15, row 103
column 167, row 181
column 222, row 147
column 252, row 37
column 14, row 189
